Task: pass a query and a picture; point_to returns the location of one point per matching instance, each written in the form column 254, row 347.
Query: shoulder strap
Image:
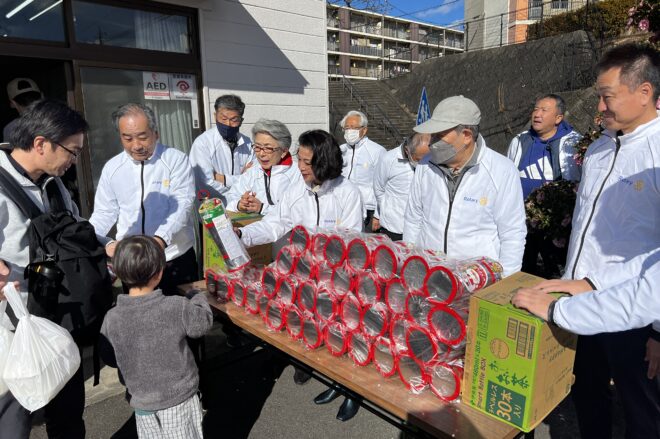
column 55, row 198
column 15, row 192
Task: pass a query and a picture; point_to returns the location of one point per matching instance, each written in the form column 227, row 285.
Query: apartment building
column 367, row 45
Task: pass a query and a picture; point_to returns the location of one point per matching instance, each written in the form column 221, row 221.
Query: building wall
column 488, row 23
column 272, row 53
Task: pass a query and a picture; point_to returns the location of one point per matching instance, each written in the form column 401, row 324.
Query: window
column 35, row 20
column 535, row 9
column 115, row 26
column 562, row 4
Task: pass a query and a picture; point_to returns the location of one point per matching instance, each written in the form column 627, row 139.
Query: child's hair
column 137, row 260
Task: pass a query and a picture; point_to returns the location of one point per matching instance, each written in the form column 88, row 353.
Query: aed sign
column 156, row 85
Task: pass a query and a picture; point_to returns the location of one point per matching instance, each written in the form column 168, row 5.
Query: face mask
column 443, row 152
column 227, row 132
column 412, row 162
column 352, row 136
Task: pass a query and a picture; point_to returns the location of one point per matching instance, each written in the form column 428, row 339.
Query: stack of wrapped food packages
column 388, row 304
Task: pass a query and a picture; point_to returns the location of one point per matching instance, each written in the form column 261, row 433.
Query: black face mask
column 228, row 133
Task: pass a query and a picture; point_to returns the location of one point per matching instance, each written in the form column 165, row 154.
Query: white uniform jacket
column 14, row 245
column 336, row 203
column 486, row 217
column 392, row 180
column 154, row 197
column 211, row 154
column 632, row 304
column 359, row 167
column 616, row 222
column 269, row 188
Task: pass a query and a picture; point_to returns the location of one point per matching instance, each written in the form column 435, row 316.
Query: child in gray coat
column 145, row 336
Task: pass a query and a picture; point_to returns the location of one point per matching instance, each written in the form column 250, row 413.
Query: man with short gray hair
column 360, row 157
column 465, row 199
column 221, row 154
column 148, row 189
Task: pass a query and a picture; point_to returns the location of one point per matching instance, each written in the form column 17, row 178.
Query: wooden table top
column 425, row 410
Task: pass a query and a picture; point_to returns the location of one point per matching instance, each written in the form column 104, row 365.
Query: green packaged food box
column 518, row 368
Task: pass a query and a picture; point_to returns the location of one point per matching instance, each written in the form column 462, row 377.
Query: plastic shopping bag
column 42, row 359
column 6, row 337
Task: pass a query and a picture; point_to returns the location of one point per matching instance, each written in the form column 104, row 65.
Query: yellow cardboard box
column 260, row 254
column 517, row 367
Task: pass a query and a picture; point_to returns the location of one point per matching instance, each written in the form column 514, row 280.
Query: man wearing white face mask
column 360, row 156
column 465, row 198
column 392, row 179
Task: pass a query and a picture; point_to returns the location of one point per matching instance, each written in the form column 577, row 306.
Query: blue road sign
column 424, row 112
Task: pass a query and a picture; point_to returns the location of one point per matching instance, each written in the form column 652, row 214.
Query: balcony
column 333, row 46
column 367, row 50
column 334, row 70
column 364, row 72
column 402, row 53
column 365, row 28
column 333, row 22
column 396, row 33
column 535, row 11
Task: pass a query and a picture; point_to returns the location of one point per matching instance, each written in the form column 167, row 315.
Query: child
column 145, row 336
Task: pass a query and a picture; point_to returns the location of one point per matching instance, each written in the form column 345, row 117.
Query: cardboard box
column 517, row 367
column 260, row 254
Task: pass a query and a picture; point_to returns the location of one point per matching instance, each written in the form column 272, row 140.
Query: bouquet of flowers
column 549, row 210
column 646, row 17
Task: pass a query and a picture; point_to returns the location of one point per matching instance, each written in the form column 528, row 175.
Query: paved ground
column 249, row 393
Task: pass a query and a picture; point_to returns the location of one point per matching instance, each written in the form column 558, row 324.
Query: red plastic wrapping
column 359, row 250
column 293, row 320
column 479, row 273
column 417, row 265
column 270, row 279
column 445, row 380
column 422, row 345
column 341, row 281
column 327, row 305
column 395, row 296
column 312, row 331
column 307, row 296
column 448, row 325
column 274, row 316
column 253, row 293
column 398, row 327
column 335, row 336
column 412, row 373
column 300, row 239
column 385, row 357
column 350, row 312
column 287, row 288
column 238, row 293
column 441, row 285
column 375, row 319
column 305, row 266
column 335, row 250
column 219, row 285
column 318, row 245
column 368, row 287
column 286, row 259
column 384, row 262
column 360, row 348
column 418, row 308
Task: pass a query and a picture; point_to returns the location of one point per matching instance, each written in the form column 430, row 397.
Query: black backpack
column 68, row 279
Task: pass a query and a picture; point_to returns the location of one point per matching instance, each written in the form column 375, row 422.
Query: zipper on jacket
column 451, row 204
column 267, row 186
column 144, row 213
column 352, row 158
column 593, row 207
column 318, row 209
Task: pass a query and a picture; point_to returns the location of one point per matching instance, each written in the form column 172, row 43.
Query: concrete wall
column 487, row 19
column 272, row 53
column 505, row 81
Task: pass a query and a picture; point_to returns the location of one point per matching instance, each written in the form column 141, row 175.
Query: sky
column 442, row 12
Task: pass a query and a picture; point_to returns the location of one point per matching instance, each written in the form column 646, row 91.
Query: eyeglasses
column 267, row 149
column 352, row 128
column 75, row 154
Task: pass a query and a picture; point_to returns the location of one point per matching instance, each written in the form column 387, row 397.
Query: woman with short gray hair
column 260, row 188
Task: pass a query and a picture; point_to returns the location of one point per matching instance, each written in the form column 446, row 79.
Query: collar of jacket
column 646, row 130
column 324, row 187
column 281, row 167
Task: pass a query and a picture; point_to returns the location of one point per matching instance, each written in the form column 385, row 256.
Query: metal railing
column 395, row 33
column 334, row 70
column 373, row 111
column 333, row 22
column 364, row 72
column 366, row 28
column 366, row 50
column 333, row 45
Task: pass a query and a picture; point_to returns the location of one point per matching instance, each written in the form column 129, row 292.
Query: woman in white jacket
column 260, row 188
column 321, row 198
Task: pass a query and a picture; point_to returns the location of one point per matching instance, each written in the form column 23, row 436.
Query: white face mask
column 352, row 136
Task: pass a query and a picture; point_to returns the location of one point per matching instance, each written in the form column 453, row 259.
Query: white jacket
column 154, row 198
column 210, row 154
column 486, row 218
column 392, row 181
column 255, row 180
column 616, row 222
column 14, row 245
column 336, row 203
column 359, row 167
column 628, row 305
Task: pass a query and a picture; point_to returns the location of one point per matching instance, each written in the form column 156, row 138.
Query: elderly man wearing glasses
column 261, row 187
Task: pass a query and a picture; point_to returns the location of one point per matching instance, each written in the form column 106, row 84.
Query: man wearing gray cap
column 465, row 199
column 22, row 92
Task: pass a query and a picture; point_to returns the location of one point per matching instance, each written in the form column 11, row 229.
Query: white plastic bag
column 6, row 337
column 42, row 359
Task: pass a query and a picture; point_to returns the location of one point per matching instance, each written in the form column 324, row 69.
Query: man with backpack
column 42, row 231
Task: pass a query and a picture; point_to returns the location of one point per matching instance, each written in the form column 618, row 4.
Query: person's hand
column 572, row 287
column 243, row 203
column 246, row 167
column 653, row 357
column 160, row 242
column 110, row 249
column 238, row 232
column 220, row 178
column 375, row 224
column 533, row 300
column 254, row 205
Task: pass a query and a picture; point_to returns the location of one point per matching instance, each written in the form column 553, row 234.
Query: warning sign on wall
column 182, row 86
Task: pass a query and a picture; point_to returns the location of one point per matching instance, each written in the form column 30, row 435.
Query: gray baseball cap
column 449, row 113
column 21, row 85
